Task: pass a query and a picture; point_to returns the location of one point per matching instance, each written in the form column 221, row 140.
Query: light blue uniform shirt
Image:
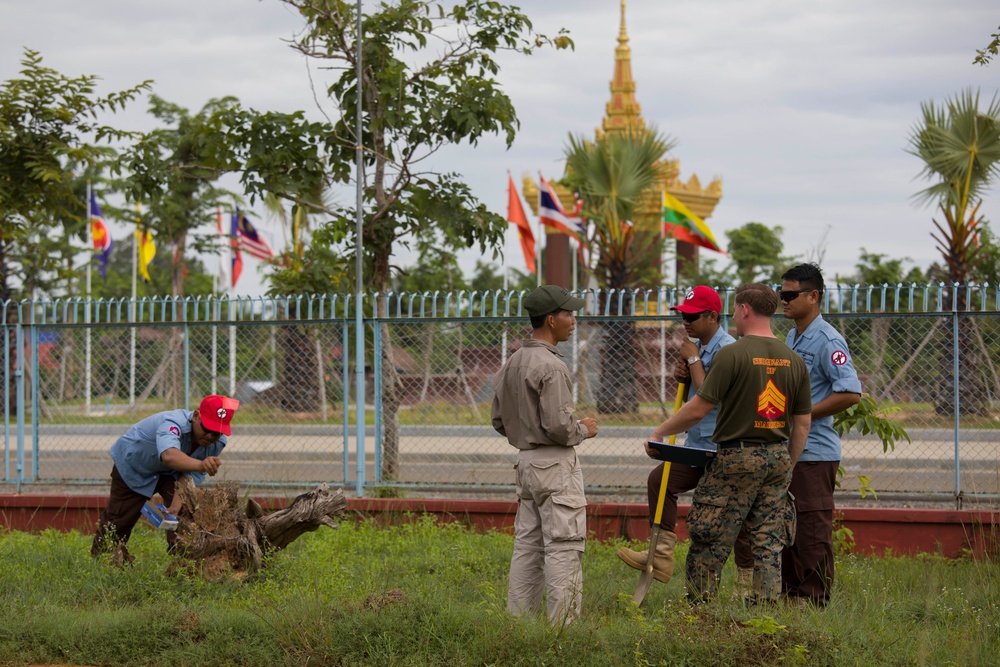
column 830, row 371
column 137, row 453
column 700, row 435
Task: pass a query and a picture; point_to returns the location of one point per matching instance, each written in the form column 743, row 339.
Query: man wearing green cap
column 533, row 408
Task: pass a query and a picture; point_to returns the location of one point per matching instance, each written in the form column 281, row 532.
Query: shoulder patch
column 838, row 358
column 173, row 430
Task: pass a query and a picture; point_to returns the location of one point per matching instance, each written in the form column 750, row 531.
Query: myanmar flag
column 683, row 225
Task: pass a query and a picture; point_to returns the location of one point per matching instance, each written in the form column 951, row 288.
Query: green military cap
column 549, row 298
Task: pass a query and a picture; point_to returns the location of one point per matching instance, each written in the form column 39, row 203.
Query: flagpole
column 232, row 328
column 86, row 310
column 217, row 283
column 131, row 313
column 538, row 244
column 506, row 288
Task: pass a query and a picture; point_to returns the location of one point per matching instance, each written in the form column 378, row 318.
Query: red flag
column 515, row 215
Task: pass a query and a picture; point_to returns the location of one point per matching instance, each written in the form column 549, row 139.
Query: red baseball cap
column 700, row 299
column 216, row 412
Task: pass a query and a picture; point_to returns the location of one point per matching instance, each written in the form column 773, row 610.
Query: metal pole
column 35, row 412
column 359, row 326
column 955, row 395
column 86, row 310
column 131, row 309
column 19, row 389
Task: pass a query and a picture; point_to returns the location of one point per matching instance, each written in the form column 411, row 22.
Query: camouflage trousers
column 743, row 485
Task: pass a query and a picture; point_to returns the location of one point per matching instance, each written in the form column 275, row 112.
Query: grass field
column 421, row 593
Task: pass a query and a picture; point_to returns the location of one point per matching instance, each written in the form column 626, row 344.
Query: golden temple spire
column 623, row 112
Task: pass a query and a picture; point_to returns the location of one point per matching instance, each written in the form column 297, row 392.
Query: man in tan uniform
column 533, row 408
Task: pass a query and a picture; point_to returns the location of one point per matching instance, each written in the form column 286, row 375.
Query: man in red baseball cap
column 700, row 311
column 152, row 456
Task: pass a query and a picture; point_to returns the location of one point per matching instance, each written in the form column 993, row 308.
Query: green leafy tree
column 48, row 130
column 878, row 269
column 614, row 175
column 959, row 145
column 755, row 249
column 428, row 81
column 172, row 171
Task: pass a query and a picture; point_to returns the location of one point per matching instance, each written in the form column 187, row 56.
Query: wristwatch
column 693, row 360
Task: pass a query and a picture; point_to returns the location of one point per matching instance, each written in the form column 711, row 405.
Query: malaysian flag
column 551, row 212
column 249, row 239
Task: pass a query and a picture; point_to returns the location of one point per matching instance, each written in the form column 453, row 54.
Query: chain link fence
column 929, row 356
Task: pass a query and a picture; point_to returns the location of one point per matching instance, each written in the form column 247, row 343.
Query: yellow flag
column 147, row 250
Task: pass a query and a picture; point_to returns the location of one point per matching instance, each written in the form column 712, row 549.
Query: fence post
column 35, row 411
column 359, row 393
column 6, row 396
column 955, row 393
column 345, row 346
column 377, row 389
column 19, row 405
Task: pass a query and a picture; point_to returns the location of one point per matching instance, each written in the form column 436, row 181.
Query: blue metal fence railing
column 929, row 353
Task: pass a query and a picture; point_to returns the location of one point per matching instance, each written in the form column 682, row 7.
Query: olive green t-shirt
column 757, row 383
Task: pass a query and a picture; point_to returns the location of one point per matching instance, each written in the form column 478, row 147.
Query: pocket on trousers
column 706, row 521
column 569, row 516
column 548, row 478
column 789, row 520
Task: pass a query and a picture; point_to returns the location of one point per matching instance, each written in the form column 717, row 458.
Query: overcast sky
column 802, row 108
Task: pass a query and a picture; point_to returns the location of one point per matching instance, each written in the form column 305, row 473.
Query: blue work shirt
column 700, row 435
column 137, row 453
column 830, row 371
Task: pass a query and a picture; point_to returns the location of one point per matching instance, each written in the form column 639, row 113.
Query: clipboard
column 691, row 456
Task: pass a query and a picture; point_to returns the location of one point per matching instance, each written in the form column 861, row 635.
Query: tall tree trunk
column 299, row 383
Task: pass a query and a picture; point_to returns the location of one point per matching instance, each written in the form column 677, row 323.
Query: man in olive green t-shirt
column 762, row 390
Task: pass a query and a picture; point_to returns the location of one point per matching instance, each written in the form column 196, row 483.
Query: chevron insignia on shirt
column 771, row 402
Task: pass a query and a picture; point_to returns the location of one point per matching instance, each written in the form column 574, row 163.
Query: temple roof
column 623, row 112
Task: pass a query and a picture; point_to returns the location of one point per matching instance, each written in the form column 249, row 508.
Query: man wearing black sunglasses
column 807, row 565
column 700, row 310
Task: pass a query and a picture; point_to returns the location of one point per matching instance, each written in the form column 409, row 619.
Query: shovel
column 646, row 578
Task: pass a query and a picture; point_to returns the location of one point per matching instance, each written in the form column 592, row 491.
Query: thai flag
column 249, row 239
column 551, row 212
column 100, row 235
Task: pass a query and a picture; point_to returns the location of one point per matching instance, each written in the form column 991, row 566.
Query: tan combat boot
column 663, row 559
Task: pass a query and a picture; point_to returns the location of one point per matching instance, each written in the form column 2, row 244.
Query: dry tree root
column 223, row 538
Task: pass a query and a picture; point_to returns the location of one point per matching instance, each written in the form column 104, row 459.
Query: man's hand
column 650, row 452
column 591, row 425
column 688, row 350
column 212, row 464
column 681, row 371
column 175, row 506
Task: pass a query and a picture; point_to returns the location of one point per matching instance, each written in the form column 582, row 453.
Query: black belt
column 730, row 444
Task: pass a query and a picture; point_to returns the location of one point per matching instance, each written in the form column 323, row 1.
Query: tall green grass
column 423, row 593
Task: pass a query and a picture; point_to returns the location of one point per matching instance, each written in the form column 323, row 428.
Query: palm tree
column 615, row 177
column 960, row 147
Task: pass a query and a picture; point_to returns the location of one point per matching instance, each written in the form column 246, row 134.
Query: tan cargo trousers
column 550, row 531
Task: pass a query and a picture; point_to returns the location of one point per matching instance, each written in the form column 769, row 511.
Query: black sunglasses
column 693, row 317
column 791, row 294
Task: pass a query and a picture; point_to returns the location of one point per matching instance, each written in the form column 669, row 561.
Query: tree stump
column 223, row 538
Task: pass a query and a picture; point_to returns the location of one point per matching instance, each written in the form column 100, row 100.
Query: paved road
column 450, row 455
